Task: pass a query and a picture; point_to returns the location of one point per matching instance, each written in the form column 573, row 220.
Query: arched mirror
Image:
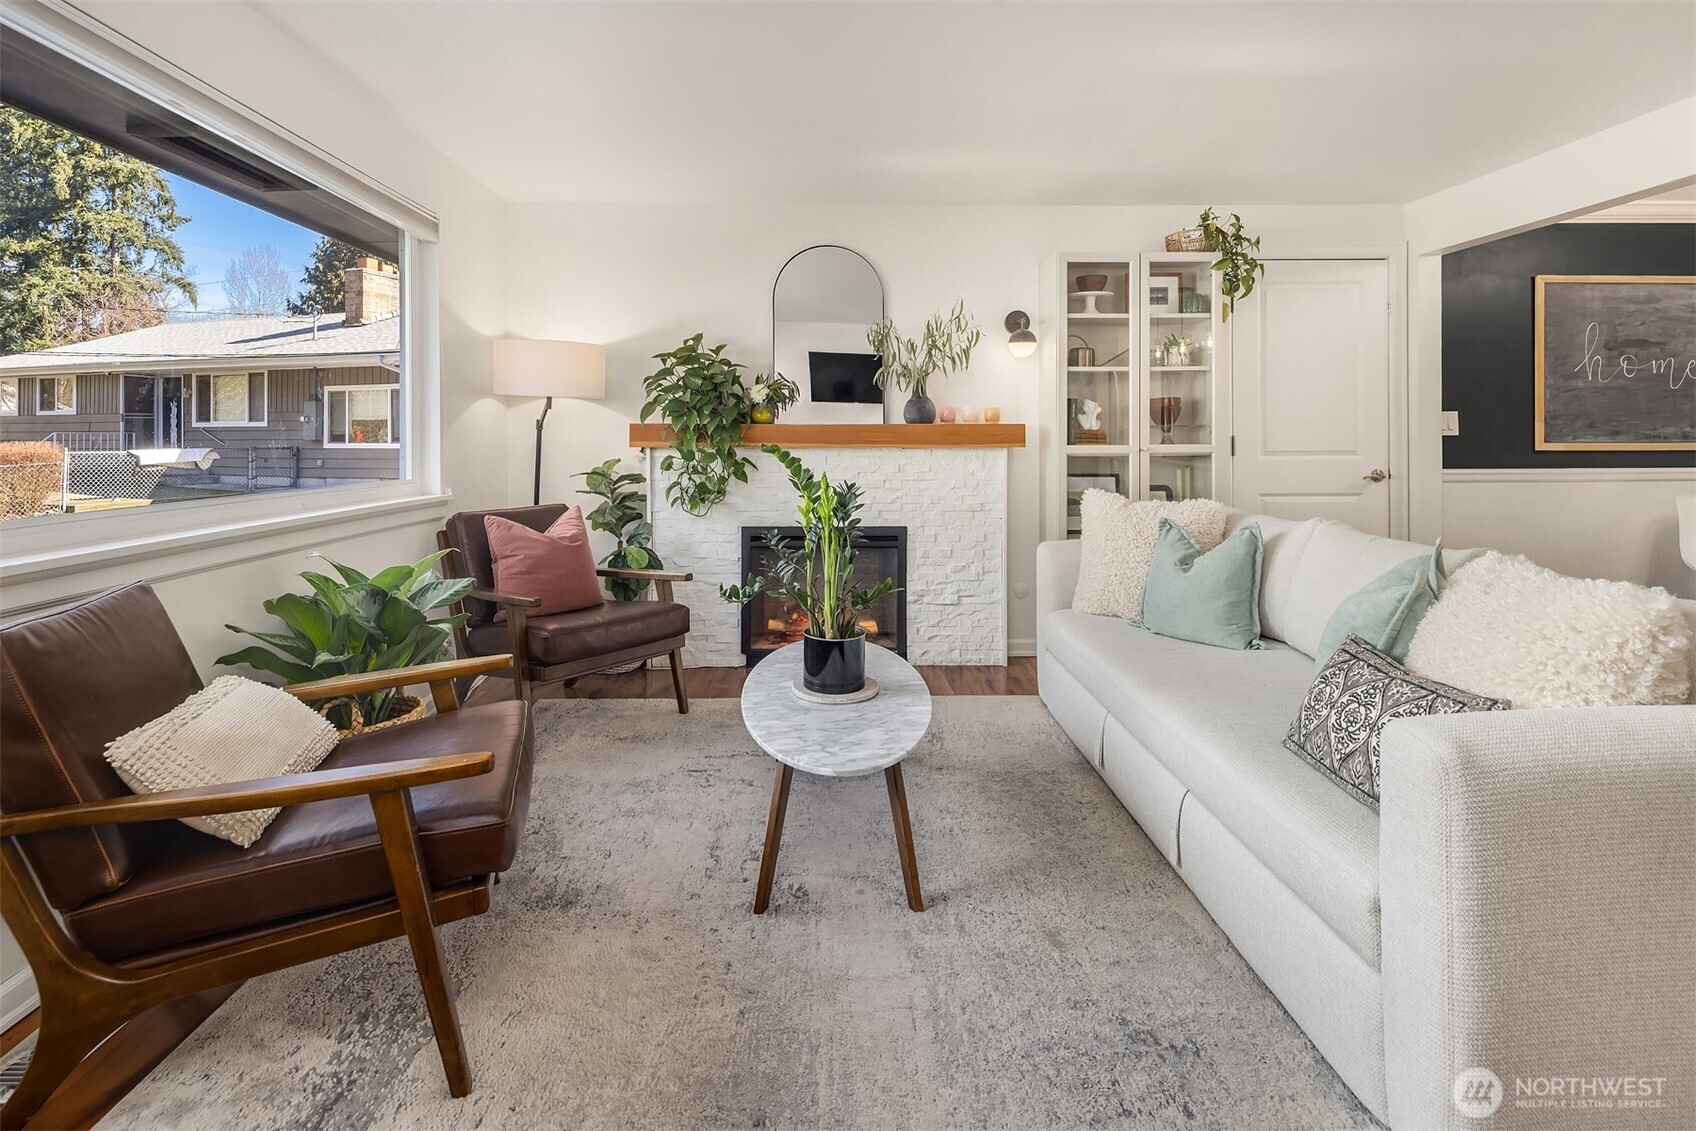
column 824, row 301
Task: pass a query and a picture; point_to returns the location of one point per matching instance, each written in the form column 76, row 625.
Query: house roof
column 242, row 339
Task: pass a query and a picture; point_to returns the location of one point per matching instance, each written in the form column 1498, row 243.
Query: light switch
column 1451, row 424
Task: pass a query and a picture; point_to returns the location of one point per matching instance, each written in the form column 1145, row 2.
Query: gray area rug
column 1062, row 976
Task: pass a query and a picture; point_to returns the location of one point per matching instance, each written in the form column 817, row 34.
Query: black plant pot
column 920, row 410
column 833, row 667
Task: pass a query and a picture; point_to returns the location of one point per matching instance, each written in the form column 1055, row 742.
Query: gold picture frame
column 1540, row 373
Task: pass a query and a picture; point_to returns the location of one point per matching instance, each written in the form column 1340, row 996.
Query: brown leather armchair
column 559, row 647
column 120, row 908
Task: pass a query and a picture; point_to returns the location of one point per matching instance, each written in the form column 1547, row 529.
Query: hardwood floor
column 1017, row 678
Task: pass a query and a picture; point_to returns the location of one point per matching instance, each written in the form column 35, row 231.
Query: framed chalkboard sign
column 1616, row 363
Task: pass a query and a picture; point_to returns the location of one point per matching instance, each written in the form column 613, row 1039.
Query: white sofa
column 1525, row 902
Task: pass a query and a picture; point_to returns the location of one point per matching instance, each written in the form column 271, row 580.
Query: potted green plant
column 699, row 393
column 909, row 364
column 771, row 395
column 621, row 513
column 359, row 624
column 1237, row 266
column 819, row 577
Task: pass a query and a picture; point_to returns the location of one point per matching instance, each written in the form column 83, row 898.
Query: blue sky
column 219, row 229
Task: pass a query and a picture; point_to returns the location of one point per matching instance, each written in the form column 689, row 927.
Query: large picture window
column 55, row 396
column 362, row 416
column 229, row 400
column 8, row 396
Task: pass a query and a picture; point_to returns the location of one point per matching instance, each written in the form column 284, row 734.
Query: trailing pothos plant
column 699, row 393
column 1237, row 267
column 621, row 514
column 819, row 576
column 357, row 624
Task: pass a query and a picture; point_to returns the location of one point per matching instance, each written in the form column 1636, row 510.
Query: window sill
column 63, row 565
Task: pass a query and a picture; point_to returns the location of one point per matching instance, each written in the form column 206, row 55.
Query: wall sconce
column 1020, row 341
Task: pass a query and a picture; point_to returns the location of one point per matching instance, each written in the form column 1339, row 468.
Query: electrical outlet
column 1451, row 424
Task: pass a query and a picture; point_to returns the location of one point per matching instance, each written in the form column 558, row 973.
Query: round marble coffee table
column 837, row 741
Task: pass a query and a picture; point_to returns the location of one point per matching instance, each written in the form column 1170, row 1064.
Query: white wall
column 1601, row 525
column 641, row 278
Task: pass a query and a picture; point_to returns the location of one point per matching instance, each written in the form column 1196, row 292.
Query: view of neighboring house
column 243, row 402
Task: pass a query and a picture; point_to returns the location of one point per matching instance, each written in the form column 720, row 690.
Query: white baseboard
column 17, row 998
column 1570, row 475
column 1021, row 647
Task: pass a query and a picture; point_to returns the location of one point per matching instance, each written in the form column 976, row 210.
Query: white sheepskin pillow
column 1507, row 627
column 1118, row 545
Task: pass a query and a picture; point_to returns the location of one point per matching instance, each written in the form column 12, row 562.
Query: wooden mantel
column 855, row 435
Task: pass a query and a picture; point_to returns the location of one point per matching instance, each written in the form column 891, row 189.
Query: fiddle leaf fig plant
column 357, row 624
column 621, row 514
column 699, row 393
column 944, row 346
column 1238, row 268
column 819, row 576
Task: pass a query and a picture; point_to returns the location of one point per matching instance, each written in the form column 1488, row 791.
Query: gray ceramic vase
column 920, row 410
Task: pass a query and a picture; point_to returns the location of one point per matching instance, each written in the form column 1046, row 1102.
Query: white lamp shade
column 525, row 368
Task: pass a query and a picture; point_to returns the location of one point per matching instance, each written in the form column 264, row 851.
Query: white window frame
column 17, row 396
column 247, row 376
column 331, row 390
column 50, row 559
column 72, row 411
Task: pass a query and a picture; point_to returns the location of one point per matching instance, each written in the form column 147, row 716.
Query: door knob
column 1376, row 475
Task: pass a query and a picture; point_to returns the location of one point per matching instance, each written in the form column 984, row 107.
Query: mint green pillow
column 1385, row 611
column 1211, row 598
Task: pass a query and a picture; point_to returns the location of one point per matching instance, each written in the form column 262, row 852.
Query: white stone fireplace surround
column 952, row 500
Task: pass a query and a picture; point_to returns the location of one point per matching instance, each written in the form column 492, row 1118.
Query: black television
column 844, row 378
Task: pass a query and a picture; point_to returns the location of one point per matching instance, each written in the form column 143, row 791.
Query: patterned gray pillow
column 1356, row 693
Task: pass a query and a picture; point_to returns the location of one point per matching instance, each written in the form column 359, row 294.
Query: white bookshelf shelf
column 1099, row 450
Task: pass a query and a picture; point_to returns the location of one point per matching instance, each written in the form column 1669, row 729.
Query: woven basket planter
column 403, row 709
column 1189, row 239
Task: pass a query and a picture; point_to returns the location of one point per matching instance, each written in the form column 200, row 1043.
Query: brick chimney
column 370, row 292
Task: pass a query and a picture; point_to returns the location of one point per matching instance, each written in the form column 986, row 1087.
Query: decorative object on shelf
column 1080, row 357
column 1237, row 267
column 1189, row 239
column 992, row 415
column 944, row 347
column 1164, row 412
column 770, row 396
column 621, row 515
column 968, row 414
column 1161, row 489
column 819, row 577
column 1089, row 299
column 699, row 393
column 1076, row 485
column 1164, row 294
column 357, row 625
column 1089, row 429
column 1096, row 284
column 948, row 414
column 1176, row 350
column 525, row 368
column 1021, row 342
column 1196, row 302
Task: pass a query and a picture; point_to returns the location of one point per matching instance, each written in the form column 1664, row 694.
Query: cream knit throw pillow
column 1118, row 545
column 234, row 730
column 1508, row 628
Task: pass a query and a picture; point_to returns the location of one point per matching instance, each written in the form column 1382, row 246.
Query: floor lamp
column 525, row 368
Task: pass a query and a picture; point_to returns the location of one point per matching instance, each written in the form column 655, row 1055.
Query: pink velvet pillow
column 555, row 566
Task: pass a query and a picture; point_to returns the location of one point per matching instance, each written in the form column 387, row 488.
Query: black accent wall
column 1488, row 348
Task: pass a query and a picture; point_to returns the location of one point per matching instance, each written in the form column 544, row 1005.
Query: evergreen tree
column 321, row 283
column 85, row 238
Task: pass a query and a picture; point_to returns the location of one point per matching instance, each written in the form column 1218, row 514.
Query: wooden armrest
column 505, row 598
column 360, row 682
column 648, row 574
column 261, row 793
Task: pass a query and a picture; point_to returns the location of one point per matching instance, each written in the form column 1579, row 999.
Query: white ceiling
column 1052, row 103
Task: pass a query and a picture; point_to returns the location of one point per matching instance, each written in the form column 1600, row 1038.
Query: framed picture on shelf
column 1165, row 294
column 1076, row 485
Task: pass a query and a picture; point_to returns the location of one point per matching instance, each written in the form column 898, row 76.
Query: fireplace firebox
column 769, row 622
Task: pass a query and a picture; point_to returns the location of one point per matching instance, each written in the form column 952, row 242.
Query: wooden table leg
column 774, row 834
column 904, row 835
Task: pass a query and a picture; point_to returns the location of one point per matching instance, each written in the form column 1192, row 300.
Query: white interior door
column 1311, row 385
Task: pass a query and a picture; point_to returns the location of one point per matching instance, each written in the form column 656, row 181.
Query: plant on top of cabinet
column 700, row 394
column 944, row 347
column 1238, row 268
